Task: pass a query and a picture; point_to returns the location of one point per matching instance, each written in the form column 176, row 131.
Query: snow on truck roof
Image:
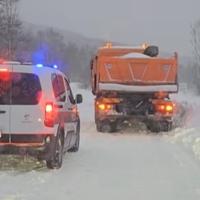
column 123, row 47
column 134, row 55
column 109, row 45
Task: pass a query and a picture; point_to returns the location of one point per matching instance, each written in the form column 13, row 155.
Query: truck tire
column 99, row 126
column 153, row 127
column 166, row 126
column 56, row 160
column 156, row 127
column 106, row 126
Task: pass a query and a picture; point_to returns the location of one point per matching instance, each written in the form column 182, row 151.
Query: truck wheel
column 106, row 127
column 98, row 126
column 56, row 161
column 157, row 127
column 154, row 127
column 75, row 148
column 166, row 126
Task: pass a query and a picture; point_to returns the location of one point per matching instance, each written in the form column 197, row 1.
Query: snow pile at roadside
column 86, row 109
column 189, row 134
column 188, row 137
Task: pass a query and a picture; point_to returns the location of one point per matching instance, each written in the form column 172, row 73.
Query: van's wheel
column 106, row 126
column 75, row 148
column 57, row 158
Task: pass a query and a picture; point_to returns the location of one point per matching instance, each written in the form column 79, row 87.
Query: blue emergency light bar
column 51, row 66
column 40, row 65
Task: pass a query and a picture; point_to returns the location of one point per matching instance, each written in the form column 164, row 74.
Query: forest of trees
column 49, row 47
column 45, row 46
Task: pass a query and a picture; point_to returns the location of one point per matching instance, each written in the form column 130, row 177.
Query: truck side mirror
column 79, row 98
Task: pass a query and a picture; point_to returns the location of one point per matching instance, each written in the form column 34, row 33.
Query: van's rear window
column 19, row 89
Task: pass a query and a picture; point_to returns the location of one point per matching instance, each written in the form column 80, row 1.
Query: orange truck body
column 133, row 83
column 128, row 69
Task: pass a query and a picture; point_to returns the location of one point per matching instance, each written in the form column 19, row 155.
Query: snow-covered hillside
column 129, row 165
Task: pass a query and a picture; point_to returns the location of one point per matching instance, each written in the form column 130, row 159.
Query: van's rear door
column 25, row 108
column 5, row 100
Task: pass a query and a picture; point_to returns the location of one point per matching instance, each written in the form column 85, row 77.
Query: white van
column 38, row 113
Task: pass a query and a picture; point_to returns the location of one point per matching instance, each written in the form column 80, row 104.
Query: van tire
column 57, row 158
column 75, row 148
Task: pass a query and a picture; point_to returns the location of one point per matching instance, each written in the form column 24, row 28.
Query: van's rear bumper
column 23, row 139
column 25, row 145
column 39, row 146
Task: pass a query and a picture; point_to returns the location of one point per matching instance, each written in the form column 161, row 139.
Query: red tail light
column 4, row 74
column 104, row 107
column 101, row 106
column 49, row 115
column 169, row 108
column 165, row 108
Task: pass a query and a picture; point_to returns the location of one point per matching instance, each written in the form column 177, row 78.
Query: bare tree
column 196, row 50
column 10, row 28
column 196, row 40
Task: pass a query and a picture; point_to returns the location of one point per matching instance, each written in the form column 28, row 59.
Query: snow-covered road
column 132, row 165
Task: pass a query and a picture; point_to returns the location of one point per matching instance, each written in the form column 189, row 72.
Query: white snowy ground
column 130, row 165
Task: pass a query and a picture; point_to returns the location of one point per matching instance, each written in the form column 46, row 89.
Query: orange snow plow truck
column 131, row 84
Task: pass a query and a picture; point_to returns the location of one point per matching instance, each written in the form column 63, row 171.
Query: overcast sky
column 166, row 23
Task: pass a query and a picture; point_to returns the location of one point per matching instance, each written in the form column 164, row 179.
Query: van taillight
column 4, row 74
column 49, row 115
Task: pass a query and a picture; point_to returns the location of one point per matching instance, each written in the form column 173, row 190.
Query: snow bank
column 189, row 135
column 123, row 47
column 134, row 55
column 86, row 109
